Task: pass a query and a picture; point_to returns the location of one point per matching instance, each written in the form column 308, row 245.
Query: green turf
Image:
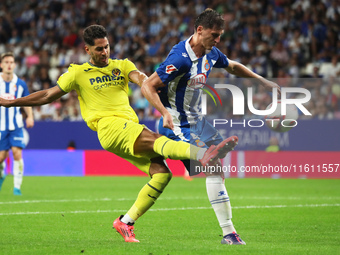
column 59, row 215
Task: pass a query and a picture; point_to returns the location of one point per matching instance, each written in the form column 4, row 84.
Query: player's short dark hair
column 209, row 19
column 93, row 32
column 7, row 54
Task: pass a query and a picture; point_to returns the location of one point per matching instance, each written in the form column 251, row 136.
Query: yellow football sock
column 175, row 149
column 149, row 194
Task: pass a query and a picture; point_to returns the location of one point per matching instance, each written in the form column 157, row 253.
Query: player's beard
column 97, row 60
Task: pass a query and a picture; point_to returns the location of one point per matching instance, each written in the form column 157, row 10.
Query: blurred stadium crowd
column 295, row 41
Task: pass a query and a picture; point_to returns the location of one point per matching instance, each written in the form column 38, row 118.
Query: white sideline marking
column 55, row 201
column 164, row 198
column 175, row 209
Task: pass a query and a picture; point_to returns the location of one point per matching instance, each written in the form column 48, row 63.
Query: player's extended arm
column 38, row 98
column 242, row 71
column 137, row 77
column 29, row 119
column 149, row 90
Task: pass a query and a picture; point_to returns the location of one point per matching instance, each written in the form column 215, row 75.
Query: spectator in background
column 258, row 62
column 331, row 98
column 279, row 57
column 333, row 70
column 323, row 111
column 314, row 81
column 33, row 58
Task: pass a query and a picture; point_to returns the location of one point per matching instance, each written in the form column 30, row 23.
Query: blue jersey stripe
column 14, row 89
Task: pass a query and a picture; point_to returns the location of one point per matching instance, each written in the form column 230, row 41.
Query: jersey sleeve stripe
column 61, row 88
column 129, row 74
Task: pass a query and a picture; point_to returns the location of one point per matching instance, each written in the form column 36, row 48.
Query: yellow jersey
column 102, row 91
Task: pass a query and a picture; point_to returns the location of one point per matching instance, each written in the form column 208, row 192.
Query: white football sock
column 200, row 153
column 2, row 169
column 219, row 200
column 127, row 219
column 18, row 172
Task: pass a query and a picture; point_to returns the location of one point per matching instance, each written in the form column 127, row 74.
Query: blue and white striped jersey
column 11, row 118
column 183, row 74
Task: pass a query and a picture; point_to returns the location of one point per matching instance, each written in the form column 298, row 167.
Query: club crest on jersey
column 197, row 81
column 170, row 68
column 116, row 72
column 199, row 143
column 206, row 65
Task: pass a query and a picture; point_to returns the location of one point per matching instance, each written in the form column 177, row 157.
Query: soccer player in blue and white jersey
column 177, row 80
column 11, row 121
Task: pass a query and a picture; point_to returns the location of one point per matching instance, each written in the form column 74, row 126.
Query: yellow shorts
column 118, row 135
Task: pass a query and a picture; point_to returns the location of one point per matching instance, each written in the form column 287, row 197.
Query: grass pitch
column 73, row 215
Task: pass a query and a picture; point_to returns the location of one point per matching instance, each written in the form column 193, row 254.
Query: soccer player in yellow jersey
column 102, row 88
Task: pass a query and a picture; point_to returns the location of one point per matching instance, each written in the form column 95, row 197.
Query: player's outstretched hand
column 167, row 121
column 269, row 85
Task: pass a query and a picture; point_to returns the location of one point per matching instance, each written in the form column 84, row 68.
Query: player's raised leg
column 182, row 150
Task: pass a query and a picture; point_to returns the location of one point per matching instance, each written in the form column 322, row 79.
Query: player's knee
column 158, row 165
column 17, row 157
column 163, row 178
column 152, row 138
column 17, row 153
column 3, row 156
column 145, row 141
